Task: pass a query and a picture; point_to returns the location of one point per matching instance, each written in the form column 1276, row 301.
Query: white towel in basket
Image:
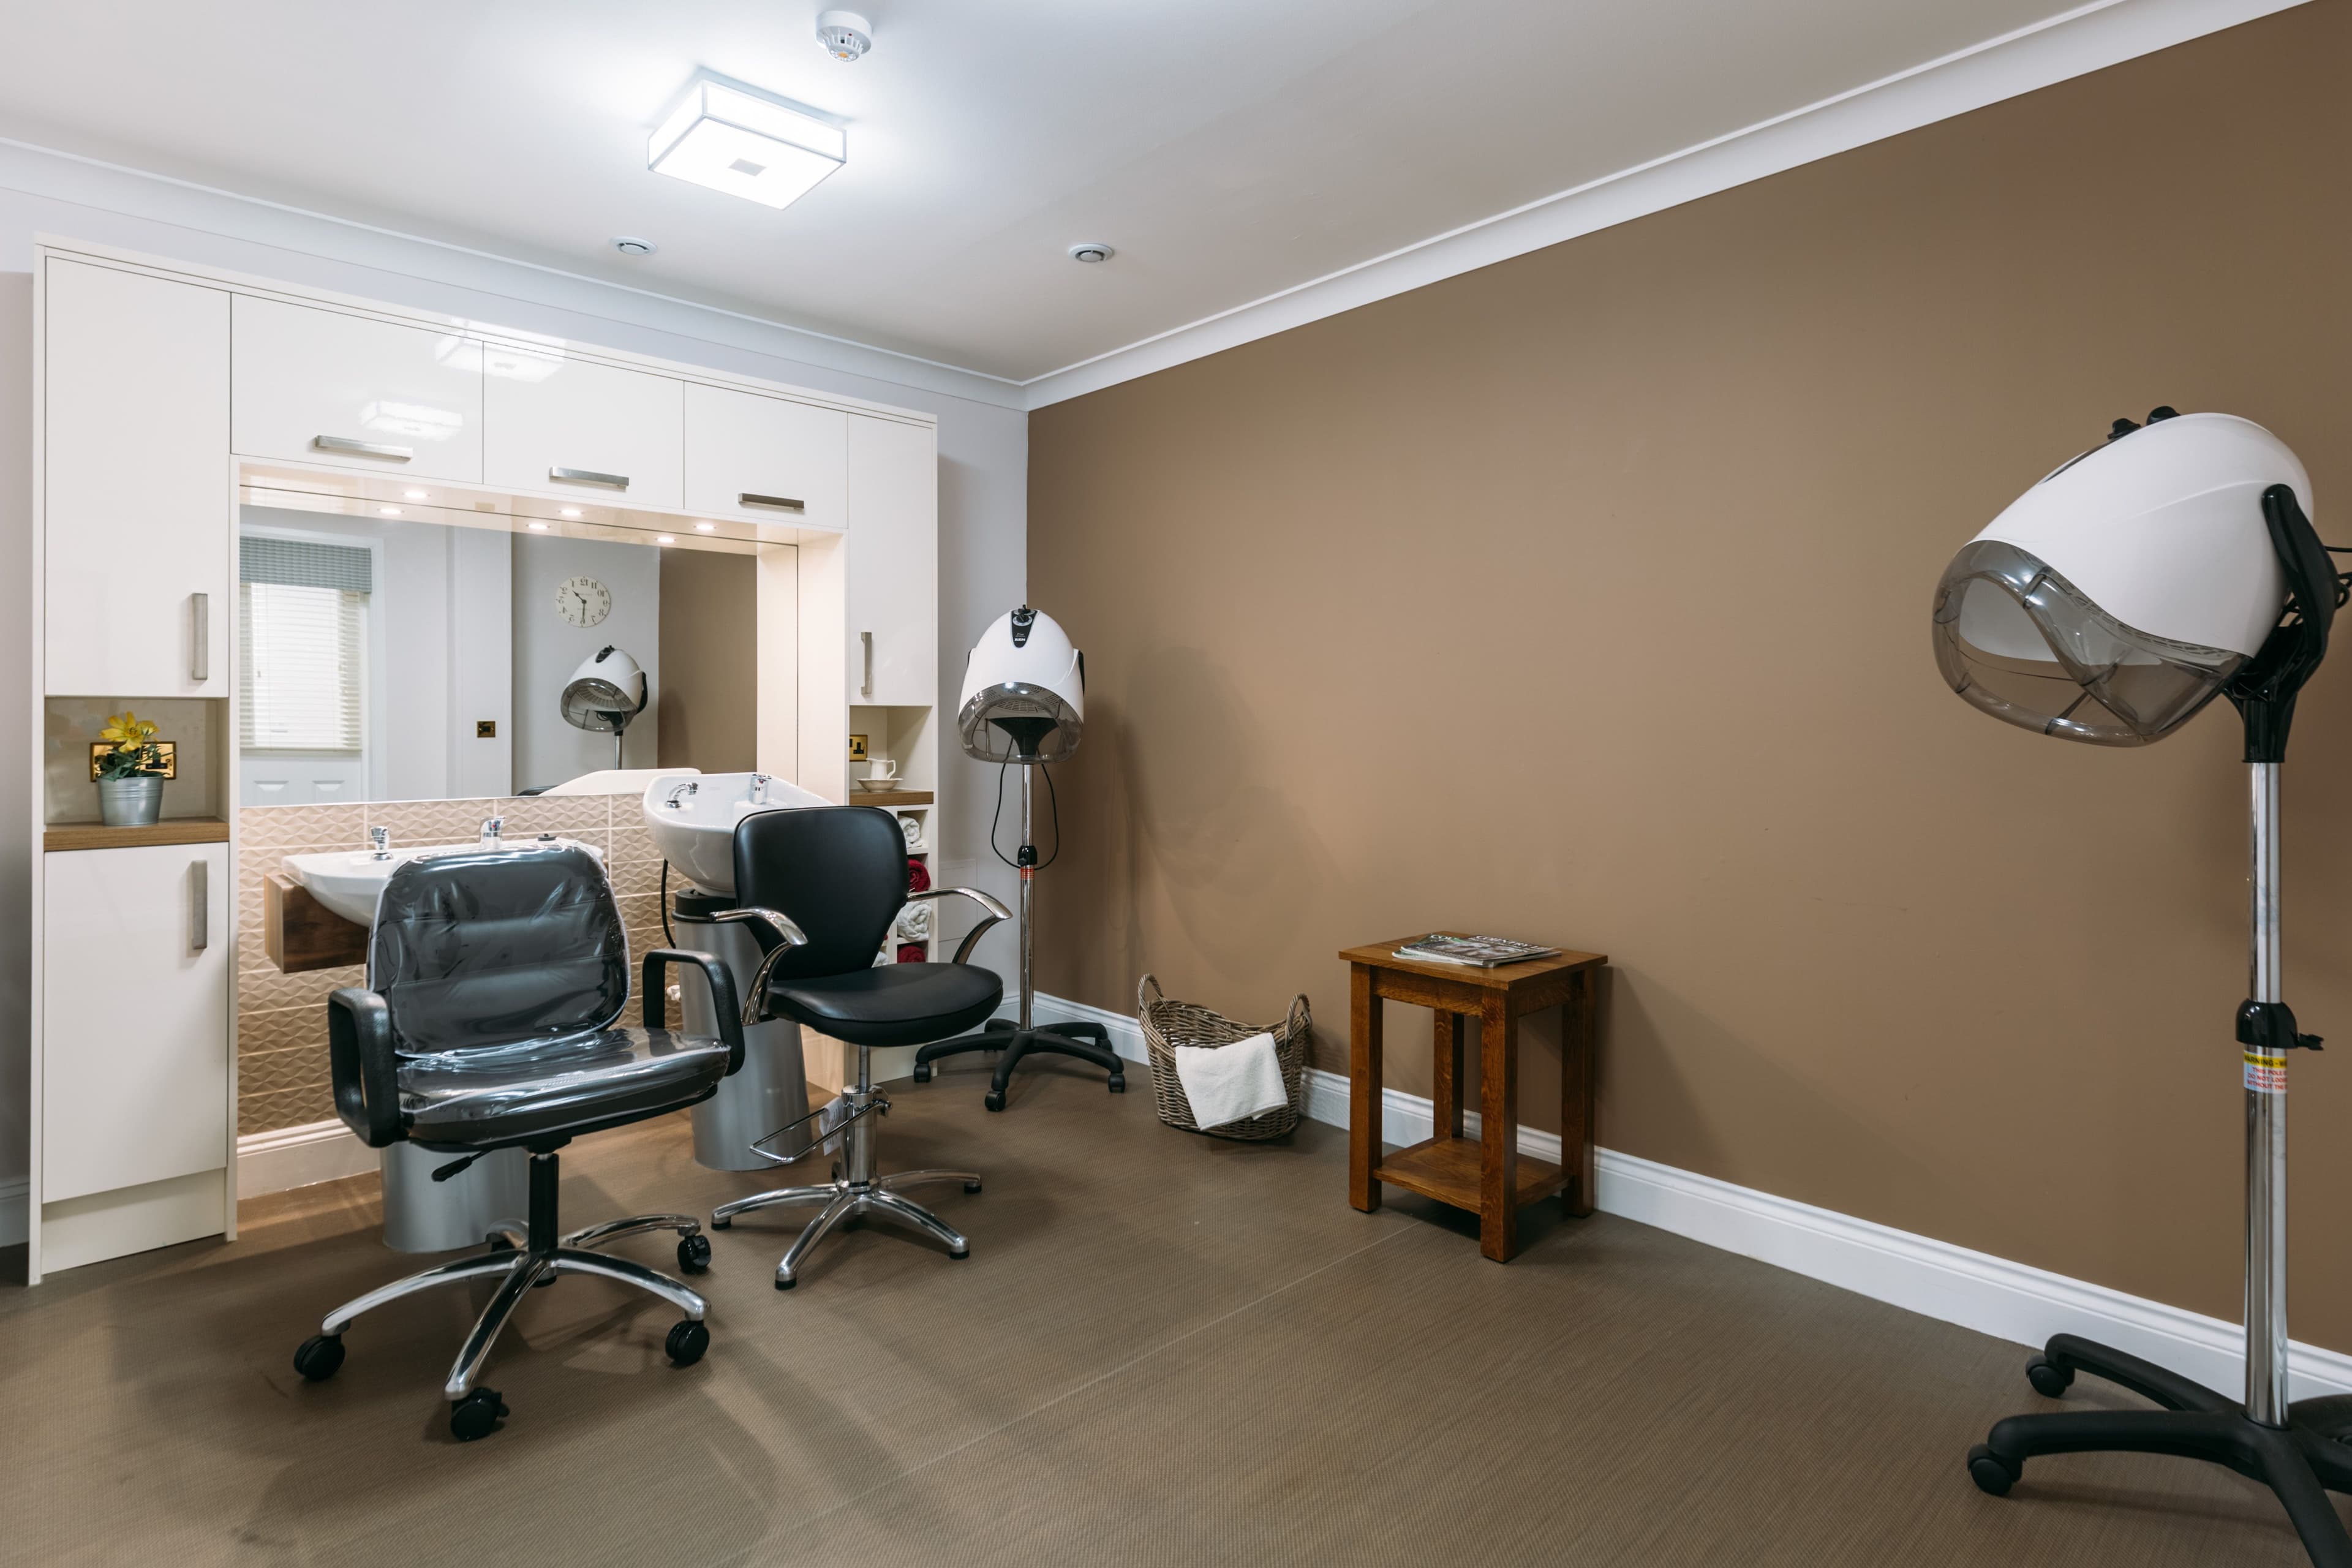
column 1231, row 1083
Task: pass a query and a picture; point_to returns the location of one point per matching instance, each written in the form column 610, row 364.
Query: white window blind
column 301, row 646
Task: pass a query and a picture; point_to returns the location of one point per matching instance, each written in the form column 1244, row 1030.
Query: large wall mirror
column 400, row 657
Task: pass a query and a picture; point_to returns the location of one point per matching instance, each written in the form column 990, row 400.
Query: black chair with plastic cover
column 821, row 889
column 496, row 981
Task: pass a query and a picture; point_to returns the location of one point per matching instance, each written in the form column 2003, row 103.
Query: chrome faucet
column 759, row 789
column 493, row 830
column 676, row 800
column 379, row 838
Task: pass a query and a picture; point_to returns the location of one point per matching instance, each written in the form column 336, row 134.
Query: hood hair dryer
column 1024, row 702
column 2172, row 564
column 603, row 694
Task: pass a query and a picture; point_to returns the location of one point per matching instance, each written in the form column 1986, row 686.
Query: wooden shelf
column 889, row 797
column 97, row 836
column 1447, row 1169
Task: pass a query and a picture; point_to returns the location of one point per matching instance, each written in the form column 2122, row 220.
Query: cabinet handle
column 362, row 449
column 590, row 476
column 200, row 637
column 200, row 902
column 867, row 640
column 782, row 503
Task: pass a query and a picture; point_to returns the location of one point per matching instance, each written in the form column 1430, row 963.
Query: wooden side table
column 1487, row 1174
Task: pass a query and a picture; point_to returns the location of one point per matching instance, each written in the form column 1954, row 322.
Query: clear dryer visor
column 601, row 705
column 2020, row 642
column 1019, row 701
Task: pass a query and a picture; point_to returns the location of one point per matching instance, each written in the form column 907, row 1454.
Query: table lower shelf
column 1449, row 1170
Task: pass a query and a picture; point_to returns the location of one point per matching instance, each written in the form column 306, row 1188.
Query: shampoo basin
column 692, row 817
column 348, row 880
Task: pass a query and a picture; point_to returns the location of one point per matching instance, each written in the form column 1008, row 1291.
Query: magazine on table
column 1474, row 952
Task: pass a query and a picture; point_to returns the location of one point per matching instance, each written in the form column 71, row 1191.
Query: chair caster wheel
column 687, row 1339
column 972, row 1186
column 718, row 1224
column 2049, row 1380
column 476, row 1416
column 1991, row 1473
column 1118, row 1085
column 923, row 1072
column 783, row 1284
column 694, row 1253
column 320, row 1357
column 993, row 1099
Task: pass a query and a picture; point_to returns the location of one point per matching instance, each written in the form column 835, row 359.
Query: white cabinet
column 324, row 388
column 135, row 996
column 752, row 456
column 137, row 528
column 894, row 578
column 553, row 424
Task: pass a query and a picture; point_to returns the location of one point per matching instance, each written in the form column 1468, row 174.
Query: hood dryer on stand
column 1024, row 702
column 2174, row 563
column 603, row 694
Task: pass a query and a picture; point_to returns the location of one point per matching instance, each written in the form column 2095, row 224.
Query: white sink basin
column 693, row 818
column 348, row 880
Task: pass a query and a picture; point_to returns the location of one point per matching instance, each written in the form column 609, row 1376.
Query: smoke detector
column 630, row 245
column 1091, row 252
column 845, row 35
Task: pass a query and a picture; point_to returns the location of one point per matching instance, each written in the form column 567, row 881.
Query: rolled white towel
column 1231, row 1083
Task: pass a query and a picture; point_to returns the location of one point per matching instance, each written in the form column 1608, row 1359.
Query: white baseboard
column 1918, row 1273
column 289, row 1157
column 15, row 1221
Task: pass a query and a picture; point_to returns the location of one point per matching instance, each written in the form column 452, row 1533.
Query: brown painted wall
column 710, row 690
column 1585, row 599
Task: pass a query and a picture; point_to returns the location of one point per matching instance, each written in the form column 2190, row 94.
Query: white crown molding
column 2090, row 37
column 95, row 185
column 1935, row 1278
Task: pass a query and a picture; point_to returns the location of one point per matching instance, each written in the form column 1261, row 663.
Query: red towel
column 919, row 878
column 910, row 952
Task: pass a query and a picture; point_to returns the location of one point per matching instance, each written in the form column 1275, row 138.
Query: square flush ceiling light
column 734, row 139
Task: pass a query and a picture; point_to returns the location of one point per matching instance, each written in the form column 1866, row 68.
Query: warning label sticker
column 2265, row 1074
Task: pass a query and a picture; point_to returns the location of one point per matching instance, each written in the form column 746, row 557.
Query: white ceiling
column 1229, row 150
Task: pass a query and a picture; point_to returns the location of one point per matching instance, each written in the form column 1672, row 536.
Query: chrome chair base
column 846, row 1199
column 518, row 1269
column 541, row 1257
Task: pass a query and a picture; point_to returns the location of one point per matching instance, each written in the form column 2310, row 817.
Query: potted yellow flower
column 130, row 776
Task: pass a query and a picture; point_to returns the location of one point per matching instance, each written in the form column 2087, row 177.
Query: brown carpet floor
column 1162, row 1350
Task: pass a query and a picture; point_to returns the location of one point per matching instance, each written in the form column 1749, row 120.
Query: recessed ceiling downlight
column 845, row 35
column 747, row 143
column 1091, row 252
column 630, row 245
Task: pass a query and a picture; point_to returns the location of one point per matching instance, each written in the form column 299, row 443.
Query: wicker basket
column 1168, row 1024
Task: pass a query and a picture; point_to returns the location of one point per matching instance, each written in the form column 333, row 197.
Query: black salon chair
column 821, row 889
column 488, row 1022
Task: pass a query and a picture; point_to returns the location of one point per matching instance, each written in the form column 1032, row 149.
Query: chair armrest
column 358, row 1050
column 723, row 1006
column 995, row 911
column 788, row 933
column 789, row 936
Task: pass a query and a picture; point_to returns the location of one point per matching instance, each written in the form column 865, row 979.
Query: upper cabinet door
column 894, row 570
column 765, row 459
column 557, row 426
column 324, row 388
column 138, row 527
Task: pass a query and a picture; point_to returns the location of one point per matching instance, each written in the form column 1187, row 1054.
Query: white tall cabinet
column 165, row 394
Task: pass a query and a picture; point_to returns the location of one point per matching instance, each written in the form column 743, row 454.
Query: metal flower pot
column 134, row 801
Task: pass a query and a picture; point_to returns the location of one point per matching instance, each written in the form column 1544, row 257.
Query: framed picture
column 98, row 750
